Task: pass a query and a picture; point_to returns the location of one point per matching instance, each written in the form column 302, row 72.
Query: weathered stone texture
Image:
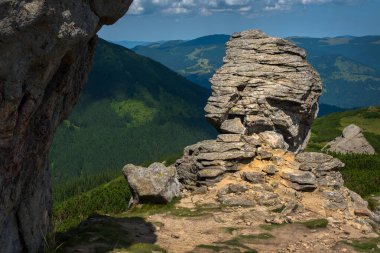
column 267, row 85
column 352, row 141
column 46, row 50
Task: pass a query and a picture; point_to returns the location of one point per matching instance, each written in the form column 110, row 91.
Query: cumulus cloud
column 208, row 7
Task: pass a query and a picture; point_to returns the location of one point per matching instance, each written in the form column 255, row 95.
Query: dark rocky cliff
column 46, row 50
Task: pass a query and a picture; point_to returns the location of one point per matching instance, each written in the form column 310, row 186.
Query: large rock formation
column 352, row 141
column 265, row 95
column 265, row 84
column 46, row 49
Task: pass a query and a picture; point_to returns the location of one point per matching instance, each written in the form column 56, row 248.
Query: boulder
column 254, row 177
column 274, row 140
column 318, row 162
column 46, row 50
column 352, row 141
column 155, row 184
column 265, row 84
column 299, row 180
column 233, row 126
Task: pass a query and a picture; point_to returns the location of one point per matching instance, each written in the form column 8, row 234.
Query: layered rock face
column 46, row 50
column 352, row 141
column 265, row 95
column 206, row 162
column 265, row 84
column 287, row 184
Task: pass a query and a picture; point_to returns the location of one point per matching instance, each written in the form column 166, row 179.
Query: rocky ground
column 199, row 224
column 240, row 213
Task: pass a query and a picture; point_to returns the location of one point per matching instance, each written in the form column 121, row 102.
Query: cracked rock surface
column 46, row 49
column 267, row 85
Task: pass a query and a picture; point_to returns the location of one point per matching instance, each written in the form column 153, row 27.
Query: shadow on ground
column 109, row 234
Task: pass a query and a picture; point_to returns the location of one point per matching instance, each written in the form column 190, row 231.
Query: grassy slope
column 362, row 172
column 140, row 113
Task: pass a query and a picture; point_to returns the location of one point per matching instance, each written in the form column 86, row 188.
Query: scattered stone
column 229, row 137
column 335, row 200
column 233, row 126
column 237, row 188
column 236, row 201
column 211, row 172
column 201, row 190
column 274, row 140
column 254, row 177
column 357, row 201
column 299, row 180
column 352, row 141
column 277, row 160
column 155, row 184
column 312, row 161
column 264, row 155
column 270, row 170
column 290, row 208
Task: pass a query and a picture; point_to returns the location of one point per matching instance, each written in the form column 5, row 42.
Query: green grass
column 145, row 248
column 109, row 198
column 362, row 172
column 366, row 245
column 316, row 223
column 171, row 209
column 241, row 240
column 270, row 227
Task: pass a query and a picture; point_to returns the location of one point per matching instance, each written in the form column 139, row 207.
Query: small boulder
column 312, row 161
column 264, row 155
column 274, row 140
column 352, row 141
column 155, row 184
column 254, row 177
column 270, row 169
column 233, row 126
column 299, row 180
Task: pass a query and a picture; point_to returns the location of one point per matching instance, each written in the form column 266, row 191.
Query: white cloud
column 208, row 7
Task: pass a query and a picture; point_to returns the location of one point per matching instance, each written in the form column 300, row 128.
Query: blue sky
column 154, row 20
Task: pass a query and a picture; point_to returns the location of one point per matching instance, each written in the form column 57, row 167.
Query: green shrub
column 110, row 198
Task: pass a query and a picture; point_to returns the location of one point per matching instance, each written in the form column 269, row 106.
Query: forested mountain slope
column 133, row 110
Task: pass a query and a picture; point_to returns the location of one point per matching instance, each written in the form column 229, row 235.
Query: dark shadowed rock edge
column 46, row 50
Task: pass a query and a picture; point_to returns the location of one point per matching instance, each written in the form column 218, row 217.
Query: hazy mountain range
column 349, row 66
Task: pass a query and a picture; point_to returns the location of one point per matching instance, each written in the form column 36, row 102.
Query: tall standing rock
column 267, row 84
column 46, row 49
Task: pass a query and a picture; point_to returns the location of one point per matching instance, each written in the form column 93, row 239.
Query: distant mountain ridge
column 348, row 65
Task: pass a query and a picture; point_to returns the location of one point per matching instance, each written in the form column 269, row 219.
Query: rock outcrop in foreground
column 46, row 50
column 352, row 141
column 265, row 84
column 264, row 101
